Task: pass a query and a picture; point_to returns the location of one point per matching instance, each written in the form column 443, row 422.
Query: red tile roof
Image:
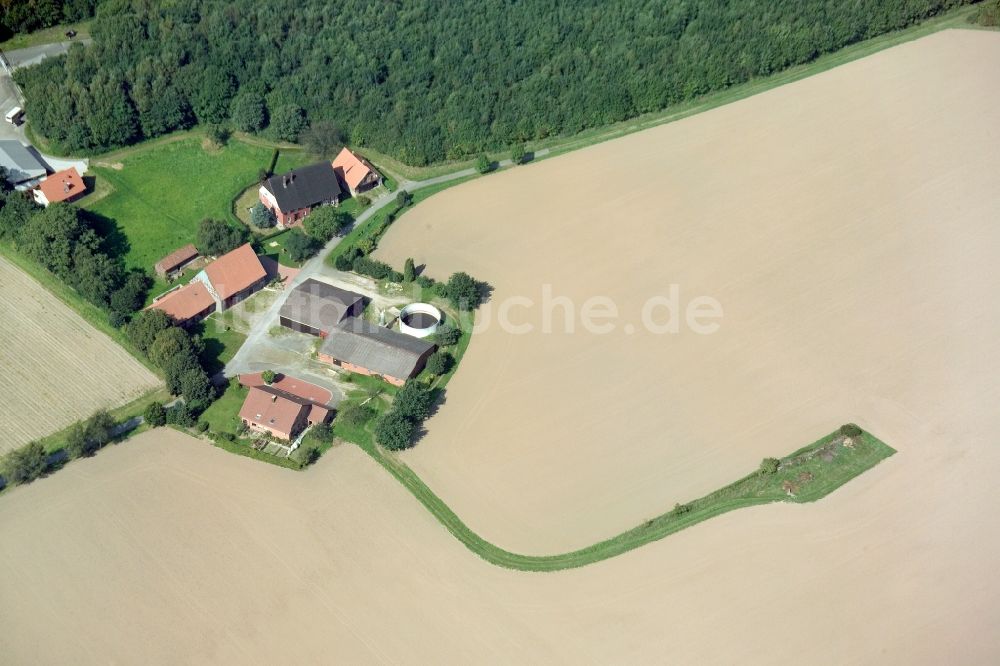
column 272, row 411
column 354, row 168
column 176, row 258
column 189, row 301
column 235, row 271
column 62, row 185
column 291, row 385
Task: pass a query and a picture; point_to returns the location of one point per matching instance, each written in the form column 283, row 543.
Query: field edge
column 766, row 487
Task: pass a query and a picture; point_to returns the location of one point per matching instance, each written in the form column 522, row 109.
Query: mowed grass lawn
column 160, row 191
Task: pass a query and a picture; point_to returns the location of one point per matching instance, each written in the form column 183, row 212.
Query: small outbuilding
column 359, row 346
column 176, row 261
column 316, row 307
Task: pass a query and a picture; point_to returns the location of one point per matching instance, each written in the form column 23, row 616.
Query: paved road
column 258, row 345
column 35, row 54
column 10, row 97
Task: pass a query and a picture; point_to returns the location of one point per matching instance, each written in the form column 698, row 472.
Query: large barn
column 316, row 307
column 359, row 346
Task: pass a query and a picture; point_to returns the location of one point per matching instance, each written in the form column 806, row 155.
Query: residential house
column 291, row 196
column 285, row 407
column 64, row 185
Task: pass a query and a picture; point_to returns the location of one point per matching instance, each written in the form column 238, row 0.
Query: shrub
column 850, row 430
column 447, row 335
column 394, row 431
column 355, row 416
column 403, row 199
column 77, row 444
column 364, row 201
column 464, row 291
column 413, row 401
column 202, row 426
column 518, row 153
column 373, row 268
column 440, row 362
column 483, row 164
column 323, row 432
column 307, row 454
column 327, row 222
column 409, row 270
column 425, row 281
column 769, row 465
column 262, row 217
column 217, row 134
column 155, row 414
column 216, row 237
column 268, row 377
column 681, row 509
column 299, row 246
column 180, row 415
column 26, row 464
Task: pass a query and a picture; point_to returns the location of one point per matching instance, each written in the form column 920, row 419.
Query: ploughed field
column 57, row 368
column 846, row 223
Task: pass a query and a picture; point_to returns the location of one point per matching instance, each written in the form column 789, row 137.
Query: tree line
column 422, row 80
column 65, row 242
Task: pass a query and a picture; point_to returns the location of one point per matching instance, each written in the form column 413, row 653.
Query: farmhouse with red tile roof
column 63, row 185
column 234, row 276
column 284, row 408
column 356, row 172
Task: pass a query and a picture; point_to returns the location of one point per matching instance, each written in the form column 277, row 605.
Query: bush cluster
column 397, row 428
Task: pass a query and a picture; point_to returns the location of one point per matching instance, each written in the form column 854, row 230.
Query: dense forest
column 424, row 80
column 19, row 16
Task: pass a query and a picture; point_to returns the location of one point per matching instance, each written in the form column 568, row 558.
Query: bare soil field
column 848, row 226
column 57, row 368
column 164, row 550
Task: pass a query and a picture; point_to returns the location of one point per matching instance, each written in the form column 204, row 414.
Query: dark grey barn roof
column 304, row 187
column 318, row 305
column 378, row 349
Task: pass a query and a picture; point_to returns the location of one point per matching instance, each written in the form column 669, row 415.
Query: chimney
column 274, row 398
column 65, row 186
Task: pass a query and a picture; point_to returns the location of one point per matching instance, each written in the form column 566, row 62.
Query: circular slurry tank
column 419, row 319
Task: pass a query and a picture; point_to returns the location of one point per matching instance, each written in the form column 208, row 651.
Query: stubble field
column 847, row 225
column 57, row 368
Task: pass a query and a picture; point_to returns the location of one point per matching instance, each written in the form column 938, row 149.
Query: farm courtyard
column 57, row 368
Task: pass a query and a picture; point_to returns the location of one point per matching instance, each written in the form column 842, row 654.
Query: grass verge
column 806, row 475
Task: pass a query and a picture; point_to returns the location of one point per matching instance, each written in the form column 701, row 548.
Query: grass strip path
column 806, row 475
